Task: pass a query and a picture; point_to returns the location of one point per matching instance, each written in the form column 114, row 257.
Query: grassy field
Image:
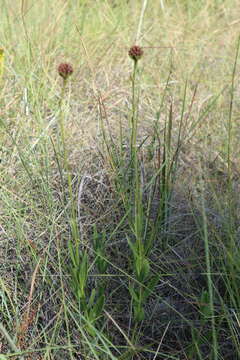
column 119, row 199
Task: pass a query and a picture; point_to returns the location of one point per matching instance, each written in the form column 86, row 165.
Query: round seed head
column 65, row 70
column 135, row 52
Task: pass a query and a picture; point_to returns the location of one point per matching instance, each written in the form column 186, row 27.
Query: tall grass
column 119, row 216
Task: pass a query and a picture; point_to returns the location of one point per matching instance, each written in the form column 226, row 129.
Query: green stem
column 134, row 158
column 134, row 117
column 66, row 163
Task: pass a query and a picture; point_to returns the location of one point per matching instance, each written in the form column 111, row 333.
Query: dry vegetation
column 64, row 171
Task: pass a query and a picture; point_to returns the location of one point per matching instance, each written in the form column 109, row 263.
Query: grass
column 119, row 209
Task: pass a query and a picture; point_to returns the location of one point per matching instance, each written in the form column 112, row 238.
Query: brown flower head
column 135, row 52
column 65, row 70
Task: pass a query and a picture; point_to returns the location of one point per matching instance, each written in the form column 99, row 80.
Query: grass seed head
column 65, row 70
column 135, row 52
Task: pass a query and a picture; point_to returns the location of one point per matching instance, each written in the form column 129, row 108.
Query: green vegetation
column 119, row 207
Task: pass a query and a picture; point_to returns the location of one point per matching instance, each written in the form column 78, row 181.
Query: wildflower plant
column 128, row 181
column 145, row 281
column 90, row 300
column 137, row 194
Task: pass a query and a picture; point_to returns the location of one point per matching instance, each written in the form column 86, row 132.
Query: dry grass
column 195, row 42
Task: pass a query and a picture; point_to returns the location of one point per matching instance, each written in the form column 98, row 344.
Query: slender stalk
column 65, row 161
column 133, row 118
column 229, row 153
column 134, row 160
column 229, row 149
column 209, row 279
